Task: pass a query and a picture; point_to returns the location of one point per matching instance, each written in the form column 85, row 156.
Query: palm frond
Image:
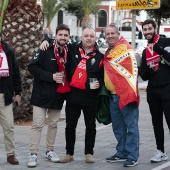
column 50, row 8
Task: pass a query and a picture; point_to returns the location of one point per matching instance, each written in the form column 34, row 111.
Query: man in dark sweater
column 156, row 69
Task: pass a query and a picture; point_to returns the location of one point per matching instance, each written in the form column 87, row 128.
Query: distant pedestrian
column 47, row 34
column 140, row 35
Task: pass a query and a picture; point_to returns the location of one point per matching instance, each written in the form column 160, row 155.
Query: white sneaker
column 32, row 162
column 159, row 156
column 52, row 156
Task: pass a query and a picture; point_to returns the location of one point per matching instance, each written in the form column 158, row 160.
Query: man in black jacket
column 156, row 69
column 84, row 62
column 10, row 91
column 50, row 86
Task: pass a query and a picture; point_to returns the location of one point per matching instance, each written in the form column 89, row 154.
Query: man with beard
column 120, row 78
column 156, row 69
column 49, row 88
column 84, row 62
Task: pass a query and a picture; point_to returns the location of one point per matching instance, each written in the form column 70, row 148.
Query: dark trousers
column 159, row 104
column 73, row 113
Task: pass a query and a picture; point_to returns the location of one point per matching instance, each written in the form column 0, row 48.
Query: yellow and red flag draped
column 121, row 67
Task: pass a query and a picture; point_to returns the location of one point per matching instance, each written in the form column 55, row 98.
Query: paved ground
column 104, row 147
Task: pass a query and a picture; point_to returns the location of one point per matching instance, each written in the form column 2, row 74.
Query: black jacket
column 42, row 66
column 162, row 76
column 11, row 84
column 88, row 96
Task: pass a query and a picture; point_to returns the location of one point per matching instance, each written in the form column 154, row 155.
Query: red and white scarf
column 80, row 75
column 62, row 87
column 4, row 68
column 152, row 58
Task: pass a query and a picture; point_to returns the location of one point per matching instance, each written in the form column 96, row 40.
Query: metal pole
column 133, row 28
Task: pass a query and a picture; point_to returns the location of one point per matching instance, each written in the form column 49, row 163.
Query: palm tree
column 50, row 8
column 73, row 7
column 3, row 6
column 82, row 10
column 89, row 7
column 22, row 30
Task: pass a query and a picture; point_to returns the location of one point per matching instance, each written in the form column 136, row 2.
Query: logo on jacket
column 36, row 55
column 93, row 61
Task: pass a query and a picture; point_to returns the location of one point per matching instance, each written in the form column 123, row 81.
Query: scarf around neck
column 80, row 75
column 152, row 58
column 64, row 86
column 4, row 68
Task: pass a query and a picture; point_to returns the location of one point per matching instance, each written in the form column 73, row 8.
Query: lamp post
column 133, row 28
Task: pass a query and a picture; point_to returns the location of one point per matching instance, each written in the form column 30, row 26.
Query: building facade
column 108, row 15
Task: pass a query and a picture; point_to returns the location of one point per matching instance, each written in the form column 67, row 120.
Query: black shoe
column 115, row 158
column 130, row 163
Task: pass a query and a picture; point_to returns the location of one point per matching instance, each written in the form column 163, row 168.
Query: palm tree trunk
column 25, row 37
column 86, row 22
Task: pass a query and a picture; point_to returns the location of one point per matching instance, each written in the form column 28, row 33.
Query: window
column 60, row 17
column 102, row 19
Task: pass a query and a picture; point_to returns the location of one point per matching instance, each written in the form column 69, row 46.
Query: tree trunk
column 86, row 22
column 22, row 30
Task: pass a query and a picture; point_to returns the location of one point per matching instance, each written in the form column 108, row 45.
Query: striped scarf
column 4, row 68
column 152, row 58
column 62, row 87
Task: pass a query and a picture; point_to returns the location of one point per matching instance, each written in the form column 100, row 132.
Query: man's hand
column 158, row 49
column 44, row 45
column 58, row 77
column 97, row 84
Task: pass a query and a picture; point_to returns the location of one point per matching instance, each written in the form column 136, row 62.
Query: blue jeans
column 125, row 128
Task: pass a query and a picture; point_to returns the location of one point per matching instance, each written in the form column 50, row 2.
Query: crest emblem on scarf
column 80, row 75
column 124, row 62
